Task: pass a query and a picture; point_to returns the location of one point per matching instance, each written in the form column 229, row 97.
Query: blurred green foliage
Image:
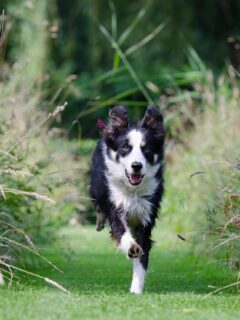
column 95, row 54
column 203, row 24
column 75, row 45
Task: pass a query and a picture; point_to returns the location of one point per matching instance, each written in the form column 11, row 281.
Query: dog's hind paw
column 100, row 227
column 100, row 222
column 135, row 251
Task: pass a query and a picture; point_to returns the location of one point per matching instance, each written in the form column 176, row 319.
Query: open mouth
column 134, row 178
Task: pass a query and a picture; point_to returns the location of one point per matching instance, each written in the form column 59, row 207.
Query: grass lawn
column 99, row 280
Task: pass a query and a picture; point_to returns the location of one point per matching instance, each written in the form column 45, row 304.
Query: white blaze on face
column 136, row 141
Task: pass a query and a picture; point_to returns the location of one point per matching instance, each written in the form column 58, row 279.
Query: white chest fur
column 134, row 206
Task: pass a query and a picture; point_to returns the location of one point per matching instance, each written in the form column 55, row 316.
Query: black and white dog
column 127, row 184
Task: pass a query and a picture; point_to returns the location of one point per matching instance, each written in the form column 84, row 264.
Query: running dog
column 127, row 184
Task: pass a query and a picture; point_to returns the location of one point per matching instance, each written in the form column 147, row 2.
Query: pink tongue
column 135, row 178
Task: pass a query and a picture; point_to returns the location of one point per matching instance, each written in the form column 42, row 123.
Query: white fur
column 138, row 277
column 132, row 203
column 135, row 138
column 131, row 198
column 126, row 242
column 113, row 154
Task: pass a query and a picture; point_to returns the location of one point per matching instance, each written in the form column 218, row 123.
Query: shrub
column 203, row 185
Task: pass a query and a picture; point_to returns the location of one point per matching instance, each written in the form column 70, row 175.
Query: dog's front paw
column 136, row 290
column 135, row 251
column 100, row 226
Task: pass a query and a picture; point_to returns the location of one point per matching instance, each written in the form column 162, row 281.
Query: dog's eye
column 146, row 149
column 125, row 147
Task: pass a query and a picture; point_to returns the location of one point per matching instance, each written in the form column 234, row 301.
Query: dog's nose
column 137, row 166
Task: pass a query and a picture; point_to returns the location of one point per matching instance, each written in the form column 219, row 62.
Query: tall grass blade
column 220, row 289
column 2, row 25
column 132, row 26
column 147, row 39
column 53, row 283
column 126, row 63
column 113, row 18
column 195, row 61
column 108, row 102
column 19, row 244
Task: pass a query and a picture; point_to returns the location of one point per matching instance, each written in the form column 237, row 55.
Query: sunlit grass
column 99, row 279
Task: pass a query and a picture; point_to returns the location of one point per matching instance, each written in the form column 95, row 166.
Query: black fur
column 114, row 138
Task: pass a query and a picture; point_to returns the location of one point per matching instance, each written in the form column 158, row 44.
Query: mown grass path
column 99, row 280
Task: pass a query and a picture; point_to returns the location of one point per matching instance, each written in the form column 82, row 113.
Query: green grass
column 99, row 279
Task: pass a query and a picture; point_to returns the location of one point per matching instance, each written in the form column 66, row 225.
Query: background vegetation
column 63, row 66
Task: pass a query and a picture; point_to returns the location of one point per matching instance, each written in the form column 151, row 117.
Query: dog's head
column 134, row 152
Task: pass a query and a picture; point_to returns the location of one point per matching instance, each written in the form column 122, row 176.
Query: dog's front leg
column 138, row 276
column 140, row 265
column 122, row 234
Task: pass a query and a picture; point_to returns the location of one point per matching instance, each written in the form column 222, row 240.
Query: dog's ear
column 117, row 121
column 153, row 119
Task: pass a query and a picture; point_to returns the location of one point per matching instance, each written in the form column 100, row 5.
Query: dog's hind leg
column 100, row 221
